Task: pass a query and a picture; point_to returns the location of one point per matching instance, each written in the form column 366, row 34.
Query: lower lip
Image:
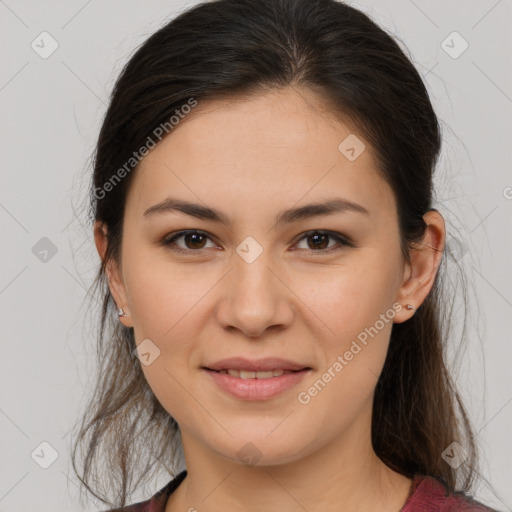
column 256, row 389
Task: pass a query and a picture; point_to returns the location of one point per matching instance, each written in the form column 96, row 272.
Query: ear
column 421, row 271
column 114, row 274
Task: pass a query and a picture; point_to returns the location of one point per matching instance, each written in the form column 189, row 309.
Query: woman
column 262, row 205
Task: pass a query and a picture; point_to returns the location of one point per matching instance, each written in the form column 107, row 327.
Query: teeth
column 243, row 374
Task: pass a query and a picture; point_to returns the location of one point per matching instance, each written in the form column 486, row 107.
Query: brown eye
column 194, row 241
column 318, row 241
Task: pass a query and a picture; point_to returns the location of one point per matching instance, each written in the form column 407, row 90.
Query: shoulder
column 430, row 494
column 142, row 506
column 158, row 501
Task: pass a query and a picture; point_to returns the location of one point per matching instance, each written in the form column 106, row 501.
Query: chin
column 263, row 450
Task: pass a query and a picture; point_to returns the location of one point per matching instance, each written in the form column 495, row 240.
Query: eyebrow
column 334, row 205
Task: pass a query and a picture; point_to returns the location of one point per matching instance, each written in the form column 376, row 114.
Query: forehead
column 276, row 147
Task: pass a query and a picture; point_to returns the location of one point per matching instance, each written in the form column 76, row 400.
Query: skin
column 251, row 158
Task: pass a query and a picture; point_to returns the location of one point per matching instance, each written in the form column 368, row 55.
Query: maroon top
column 428, row 494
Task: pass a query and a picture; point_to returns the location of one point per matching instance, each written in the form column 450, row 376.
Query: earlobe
column 121, row 312
column 118, row 292
column 425, row 259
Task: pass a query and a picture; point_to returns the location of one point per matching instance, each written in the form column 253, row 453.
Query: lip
column 256, row 389
column 256, row 365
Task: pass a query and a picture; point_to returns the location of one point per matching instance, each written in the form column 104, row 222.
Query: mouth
column 260, row 375
column 254, row 385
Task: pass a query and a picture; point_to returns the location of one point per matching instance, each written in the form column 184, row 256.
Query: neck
column 344, row 474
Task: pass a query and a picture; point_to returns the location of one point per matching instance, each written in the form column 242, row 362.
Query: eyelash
column 170, row 242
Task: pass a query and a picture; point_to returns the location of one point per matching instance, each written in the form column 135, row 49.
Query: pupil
column 195, row 237
column 316, row 238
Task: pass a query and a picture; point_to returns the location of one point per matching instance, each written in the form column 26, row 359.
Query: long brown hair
column 236, row 47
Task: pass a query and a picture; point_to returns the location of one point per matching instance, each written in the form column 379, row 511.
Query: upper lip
column 256, row 365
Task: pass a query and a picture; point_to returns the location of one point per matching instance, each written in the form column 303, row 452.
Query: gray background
column 51, row 113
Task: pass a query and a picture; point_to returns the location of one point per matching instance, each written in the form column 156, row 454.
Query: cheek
column 349, row 298
column 353, row 315
column 166, row 309
column 162, row 296
column 167, row 305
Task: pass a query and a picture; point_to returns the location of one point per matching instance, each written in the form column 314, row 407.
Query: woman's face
column 251, row 287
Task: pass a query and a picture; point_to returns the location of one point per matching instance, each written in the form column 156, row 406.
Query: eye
column 195, row 239
column 319, row 241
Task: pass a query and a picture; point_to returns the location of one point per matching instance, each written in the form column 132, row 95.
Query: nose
column 255, row 298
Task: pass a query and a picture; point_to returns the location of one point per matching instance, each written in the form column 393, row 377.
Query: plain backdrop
column 51, row 109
